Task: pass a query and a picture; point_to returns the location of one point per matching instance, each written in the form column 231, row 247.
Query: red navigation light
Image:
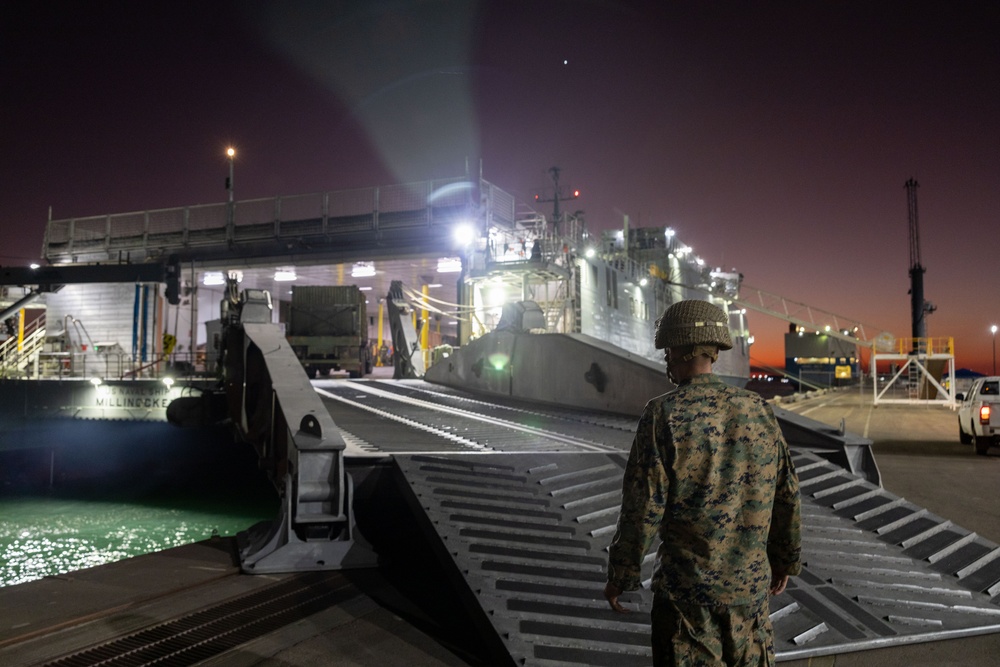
column 536, row 197
column 576, row 193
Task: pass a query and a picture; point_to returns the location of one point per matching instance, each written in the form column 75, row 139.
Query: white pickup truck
column 979, row 414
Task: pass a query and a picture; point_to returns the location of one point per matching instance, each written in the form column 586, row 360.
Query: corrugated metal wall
column 105, row 312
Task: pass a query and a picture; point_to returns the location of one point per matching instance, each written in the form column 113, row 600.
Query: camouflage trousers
column 698, row 636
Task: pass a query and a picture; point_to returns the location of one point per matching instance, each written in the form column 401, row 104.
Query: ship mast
column 557, row 216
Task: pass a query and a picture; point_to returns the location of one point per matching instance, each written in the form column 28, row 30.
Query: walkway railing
column 19, row 354
column 321, row 214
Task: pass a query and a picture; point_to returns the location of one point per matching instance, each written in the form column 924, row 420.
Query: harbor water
column 121, row 493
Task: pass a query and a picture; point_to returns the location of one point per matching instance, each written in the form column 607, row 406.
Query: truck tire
column 963, row 437
column 981, row 443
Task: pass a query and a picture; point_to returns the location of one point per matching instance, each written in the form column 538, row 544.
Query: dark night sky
column 775, row 137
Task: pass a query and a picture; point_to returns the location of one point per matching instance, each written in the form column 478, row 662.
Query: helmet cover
column 693, row 322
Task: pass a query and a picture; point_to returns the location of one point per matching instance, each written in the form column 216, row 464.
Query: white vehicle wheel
column 963, row 437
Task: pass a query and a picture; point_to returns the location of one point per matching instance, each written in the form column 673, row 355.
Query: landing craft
column 562, row 318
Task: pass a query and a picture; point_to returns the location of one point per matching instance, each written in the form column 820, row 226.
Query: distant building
column 964, row 378
column 820, row 359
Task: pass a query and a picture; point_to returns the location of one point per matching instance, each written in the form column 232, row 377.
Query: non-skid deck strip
column 528, row 535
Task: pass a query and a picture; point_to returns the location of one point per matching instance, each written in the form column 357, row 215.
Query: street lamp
column 230, row 153
column 230, row 213
column 993, row 330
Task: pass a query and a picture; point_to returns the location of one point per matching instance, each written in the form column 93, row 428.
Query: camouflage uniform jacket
column 710, row 472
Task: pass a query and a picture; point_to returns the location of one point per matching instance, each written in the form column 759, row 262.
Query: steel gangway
column 20, row 353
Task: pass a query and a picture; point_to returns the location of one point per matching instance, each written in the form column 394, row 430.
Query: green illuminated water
column 106, row 507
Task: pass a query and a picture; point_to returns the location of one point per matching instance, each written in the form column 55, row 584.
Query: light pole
column 230, row 213
column 993, row 330
column 230, row 153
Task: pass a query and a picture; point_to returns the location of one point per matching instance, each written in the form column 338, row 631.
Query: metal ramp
column 527, row 533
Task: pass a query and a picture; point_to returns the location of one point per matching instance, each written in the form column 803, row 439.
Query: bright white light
column 993, row 329
column 168, row 381
column 699, row 261
column 683, row 250
column 433, row 285
column 464, row 234
column 96, row 381
column 213, row 278
column 231, row 152
column 366, row 288
column 449, row 264
column 590, row 253
column 284, row 273
column 620, row 234
column 496, row 296
column 363, row 269
column 668, row 232
column 643, row 282
column 750, row 340
column 33, row 266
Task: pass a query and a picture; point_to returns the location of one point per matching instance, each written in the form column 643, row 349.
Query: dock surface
column 404, row 614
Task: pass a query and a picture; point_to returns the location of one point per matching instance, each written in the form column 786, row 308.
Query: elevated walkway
column 416, row 217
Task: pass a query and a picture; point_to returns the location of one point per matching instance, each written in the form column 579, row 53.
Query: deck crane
column 918, row 306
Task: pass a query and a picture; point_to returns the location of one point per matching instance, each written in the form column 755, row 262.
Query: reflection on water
column 107, row 505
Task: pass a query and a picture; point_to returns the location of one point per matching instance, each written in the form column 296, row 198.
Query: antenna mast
column 557, row 215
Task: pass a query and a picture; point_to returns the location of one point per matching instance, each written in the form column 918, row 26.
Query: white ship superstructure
column 611, row 287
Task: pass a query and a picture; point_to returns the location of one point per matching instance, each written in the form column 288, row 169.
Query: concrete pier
column 408, row 613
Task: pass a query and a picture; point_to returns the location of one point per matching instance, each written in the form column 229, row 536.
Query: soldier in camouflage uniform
column 710, row 473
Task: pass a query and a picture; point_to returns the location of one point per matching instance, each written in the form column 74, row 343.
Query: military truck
column 328, row 330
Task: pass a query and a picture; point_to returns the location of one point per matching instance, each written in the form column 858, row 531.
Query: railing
column 919, row 346
column 812, row 318
column 321, row 214
column 19, row 354
column 33, row 361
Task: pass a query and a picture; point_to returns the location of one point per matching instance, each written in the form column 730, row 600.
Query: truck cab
column 979, row 414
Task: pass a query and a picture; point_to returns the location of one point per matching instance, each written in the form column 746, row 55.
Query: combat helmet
column 693, row 322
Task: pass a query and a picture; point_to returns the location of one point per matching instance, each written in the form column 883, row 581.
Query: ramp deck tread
column 538, row 576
